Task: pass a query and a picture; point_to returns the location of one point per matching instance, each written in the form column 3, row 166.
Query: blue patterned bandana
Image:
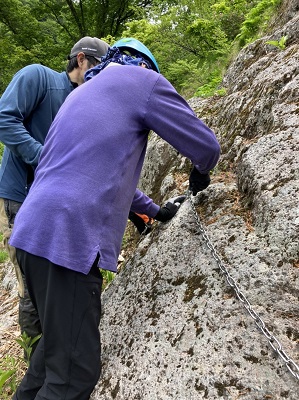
column 115, row 56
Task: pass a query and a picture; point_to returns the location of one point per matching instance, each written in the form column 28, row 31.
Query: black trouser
column 66, row 363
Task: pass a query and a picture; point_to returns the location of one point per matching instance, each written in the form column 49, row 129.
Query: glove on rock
column 198, row 181
column 170, row 209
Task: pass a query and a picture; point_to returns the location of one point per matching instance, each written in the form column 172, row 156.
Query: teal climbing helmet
column 135, row 47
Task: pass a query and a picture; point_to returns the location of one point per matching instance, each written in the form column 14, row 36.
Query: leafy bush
column 3, row 256
column 1, row 150
column 8, row 377
column 280, row 44
column 212, row 86
column 256, row 20
column 184, row 74
column 27, row 342
column 108, row 277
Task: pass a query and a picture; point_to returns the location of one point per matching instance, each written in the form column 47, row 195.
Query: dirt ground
column 11, row 353
column 9, row 329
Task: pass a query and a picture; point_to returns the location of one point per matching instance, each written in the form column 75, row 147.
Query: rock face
column 172, row 326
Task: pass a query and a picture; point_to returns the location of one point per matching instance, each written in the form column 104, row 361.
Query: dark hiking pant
column 66, row 363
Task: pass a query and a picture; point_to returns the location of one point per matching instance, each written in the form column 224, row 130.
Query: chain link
column 273, row 341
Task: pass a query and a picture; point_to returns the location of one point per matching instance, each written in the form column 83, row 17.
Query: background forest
column 192, row 40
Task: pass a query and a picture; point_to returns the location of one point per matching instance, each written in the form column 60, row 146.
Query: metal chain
column 273, row 341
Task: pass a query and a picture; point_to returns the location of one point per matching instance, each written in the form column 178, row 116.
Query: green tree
column 43, row 31
column 256, row 20
column 191, row 39
column 183, row 38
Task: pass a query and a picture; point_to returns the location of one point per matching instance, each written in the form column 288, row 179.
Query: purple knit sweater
column 86, row 179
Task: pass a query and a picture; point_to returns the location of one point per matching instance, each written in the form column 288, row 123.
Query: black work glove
column 170, row 209
column 142, row 226
column 198, row 181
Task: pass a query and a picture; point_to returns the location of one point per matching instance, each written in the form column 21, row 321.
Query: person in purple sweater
column 73, row 219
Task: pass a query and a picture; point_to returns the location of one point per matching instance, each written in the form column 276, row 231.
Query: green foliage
column 108, row 277
column 256, row 20
column 4, row 376
column 27, row 342
column 230, row 15
column 182, row 38
column 3, row 253
column 192, row 40
column 3, row 256
column 8, row 384
column 1, row 150
column 281, row 44
column 187, row 37
column 33, row 31
column 184, row 75
column 210, row 39
column 212, row 86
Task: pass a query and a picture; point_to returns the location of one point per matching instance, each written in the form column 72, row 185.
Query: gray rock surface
column 172, row 327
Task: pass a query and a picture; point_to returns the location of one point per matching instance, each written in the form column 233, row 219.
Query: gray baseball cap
column 91, row 46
